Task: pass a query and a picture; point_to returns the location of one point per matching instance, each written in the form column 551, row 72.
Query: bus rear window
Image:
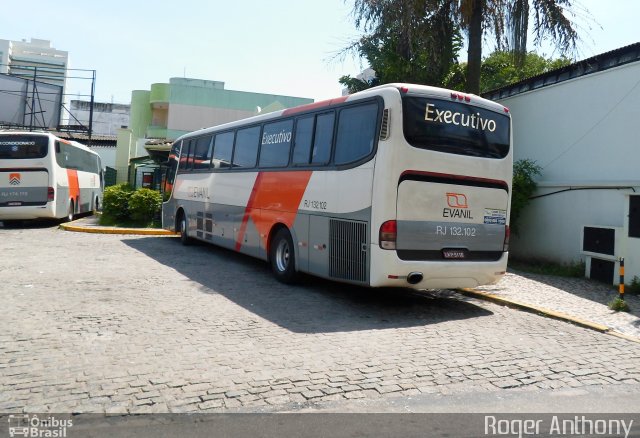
column 16, row 147
column 455, row 128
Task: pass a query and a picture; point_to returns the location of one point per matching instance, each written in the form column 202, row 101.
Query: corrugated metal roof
column 96, row 140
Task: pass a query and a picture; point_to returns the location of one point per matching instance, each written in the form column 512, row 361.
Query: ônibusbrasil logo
column 34, row 426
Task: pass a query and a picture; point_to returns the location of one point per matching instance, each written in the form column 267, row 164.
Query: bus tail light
column 50, row 194
column 388, row 235
column 507, row 234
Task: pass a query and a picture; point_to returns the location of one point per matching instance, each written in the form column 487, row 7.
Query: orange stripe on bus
column 74, row 185
column 275, row 198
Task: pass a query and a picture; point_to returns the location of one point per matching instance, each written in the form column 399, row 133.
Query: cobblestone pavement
column 577, row 297
column 125, row 324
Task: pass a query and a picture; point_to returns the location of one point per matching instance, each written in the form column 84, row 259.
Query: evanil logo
column 14, row 179
column 458, row 206
column 475, row 121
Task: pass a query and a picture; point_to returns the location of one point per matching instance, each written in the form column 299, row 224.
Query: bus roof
column 370, row 92
column 50, row 135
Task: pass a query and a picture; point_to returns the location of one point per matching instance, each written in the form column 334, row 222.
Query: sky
column 286, row 47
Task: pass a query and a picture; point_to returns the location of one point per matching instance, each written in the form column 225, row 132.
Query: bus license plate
column 14, row 204
column 454, row 253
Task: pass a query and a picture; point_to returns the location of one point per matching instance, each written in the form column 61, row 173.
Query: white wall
column 4, row 56
column 104, row 123
column 584, row 133
column 107, row 155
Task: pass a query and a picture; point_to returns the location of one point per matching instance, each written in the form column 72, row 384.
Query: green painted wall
column 194, row 93
column 229, row 99
column 172, row 134
column 159, row 93
column 140, row 117
column 157, row 132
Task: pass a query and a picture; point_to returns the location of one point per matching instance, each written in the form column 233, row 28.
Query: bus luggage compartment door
column 22, row 187
column 439, row 221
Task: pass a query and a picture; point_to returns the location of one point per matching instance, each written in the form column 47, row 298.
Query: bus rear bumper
column 27, row 212
column 387, row 270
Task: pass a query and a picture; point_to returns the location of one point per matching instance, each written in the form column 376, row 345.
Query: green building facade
column 169, row 110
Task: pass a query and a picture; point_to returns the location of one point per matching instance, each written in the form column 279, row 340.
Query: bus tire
column 282, row 257
column 184, row 234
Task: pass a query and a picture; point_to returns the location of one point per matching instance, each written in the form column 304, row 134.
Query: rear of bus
column 441, row 190
column 26, row 191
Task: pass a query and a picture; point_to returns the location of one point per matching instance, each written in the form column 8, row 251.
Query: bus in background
column 399, row 185
column 43, row 176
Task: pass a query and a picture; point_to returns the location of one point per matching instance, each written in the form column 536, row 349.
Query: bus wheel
column 184, row 236
column 71, row 212
column 282, row 257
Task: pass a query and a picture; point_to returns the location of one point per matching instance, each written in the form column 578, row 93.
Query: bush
column 619, row 305
column 144, row 204
column 524, row 185
column 122, row 206
column 115, row 201
column 634, row 287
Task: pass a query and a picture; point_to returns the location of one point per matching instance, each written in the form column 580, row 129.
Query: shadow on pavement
column 27, row 225
column 314, row 305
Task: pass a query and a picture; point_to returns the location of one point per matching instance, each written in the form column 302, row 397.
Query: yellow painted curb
column 547, row 312
column 623, row 336
column 113, row 230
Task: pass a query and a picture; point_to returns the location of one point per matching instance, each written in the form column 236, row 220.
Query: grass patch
column 546, row 267
column 634, row 286
column 619, row 305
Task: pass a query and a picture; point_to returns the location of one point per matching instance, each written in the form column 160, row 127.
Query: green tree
column 500, row 69
column 406, row 24
column 508, row 21
column 405, row 41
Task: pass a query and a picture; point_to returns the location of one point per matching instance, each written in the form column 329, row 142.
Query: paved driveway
column 94, row 323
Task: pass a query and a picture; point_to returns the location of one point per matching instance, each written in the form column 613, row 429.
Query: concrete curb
column 113, row 230
column 546, row 312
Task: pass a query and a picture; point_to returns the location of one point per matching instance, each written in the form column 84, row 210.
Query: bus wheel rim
column 282, row 256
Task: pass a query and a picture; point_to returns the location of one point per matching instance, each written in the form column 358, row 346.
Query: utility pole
column 93, row 92
column 33, row 98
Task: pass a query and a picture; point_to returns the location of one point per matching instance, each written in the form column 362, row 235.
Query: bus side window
column 201, row 150
column 323, row 138
column 209, row 152
column 356, row 133
column 192, row 150
column 276, row 144
column 184, row 154
column 303, row 139
column 223, row 150
column 246, row 150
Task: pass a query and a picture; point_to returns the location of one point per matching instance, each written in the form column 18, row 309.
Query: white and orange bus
column 398, row 185
column 43, row 176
